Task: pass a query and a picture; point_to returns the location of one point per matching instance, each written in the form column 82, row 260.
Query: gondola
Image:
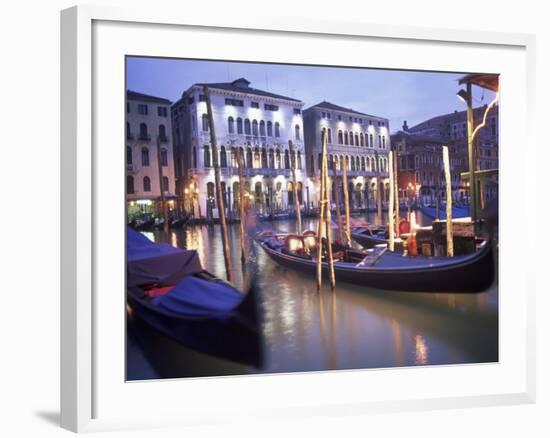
column 369, row 236
column 144, row 225
column 179, row 222
column 382, row 269
column 457, row 211
column 169, row 290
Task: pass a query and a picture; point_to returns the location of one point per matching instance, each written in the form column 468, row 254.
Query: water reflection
column 354, row 327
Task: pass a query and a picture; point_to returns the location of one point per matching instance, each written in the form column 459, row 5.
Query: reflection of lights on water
column 174, row 239
column 421, row 350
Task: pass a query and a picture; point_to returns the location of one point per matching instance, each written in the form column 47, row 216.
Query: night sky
column 395, row 94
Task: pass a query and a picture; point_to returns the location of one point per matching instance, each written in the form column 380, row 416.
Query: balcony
column 131, row 168
column 164, row 139
column 144, row 137
column 247, row 171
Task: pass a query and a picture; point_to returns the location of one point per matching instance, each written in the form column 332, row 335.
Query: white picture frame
column 85, row 373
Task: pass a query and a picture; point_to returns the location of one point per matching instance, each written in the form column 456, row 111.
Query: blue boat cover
column 201, row 298
column 157, row 263
column 458, row 212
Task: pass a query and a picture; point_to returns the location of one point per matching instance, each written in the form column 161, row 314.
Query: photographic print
column 296, row 218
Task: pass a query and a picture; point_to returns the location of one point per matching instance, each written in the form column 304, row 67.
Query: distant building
column 451, row 130
column 361, row 139
column 258, row 123
column 147, row 140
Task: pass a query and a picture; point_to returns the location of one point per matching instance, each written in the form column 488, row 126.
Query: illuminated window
column 146, row 184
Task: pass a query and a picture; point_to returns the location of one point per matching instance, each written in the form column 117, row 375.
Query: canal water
column 303, row 330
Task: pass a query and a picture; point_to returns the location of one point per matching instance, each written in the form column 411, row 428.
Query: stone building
column 362, row 140
column 258, row 123
column 148, row 126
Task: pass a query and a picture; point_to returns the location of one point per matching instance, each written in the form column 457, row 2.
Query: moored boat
column 169, row 290
column 380, row 268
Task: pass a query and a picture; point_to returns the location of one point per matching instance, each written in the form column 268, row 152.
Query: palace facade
column 358, row 139
column 261, row 125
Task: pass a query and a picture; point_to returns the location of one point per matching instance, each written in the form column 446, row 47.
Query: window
column 234, row 102
column 145, row 157
column 129, row 184
column 164, row 158
column 146, row 184
column 249, row 158
column 247, row 127
column 143, row 135
column 383, row 142
column 162, row 133
column 255, row 128
column 165, row 184
column 264, row 158
column 269, row 129
column 323, row 115
column 277, row 131
column 350, row 118
column 162, row 111
column 239, row 126
column 371, row 141
column 269, row 107
column 128, row 131
column 346, row 138
column 223, row 157
column 230, row 125
column 363, row 168
column 254, row 105
column 329, row 132
column 312, row 163
column 351, row 138
column 379, row 141
column 271, row 159
column 207, row 156
column 299, row 160
column 277, row 159
column 328, row 116
column 262, row 128
column 190, row 100
column 202, row 98
column 339, row 117
column 205, row 123
column 362, row 139
column 356, row 139
column 128, row 155
column 297, row 111
column 142, row 109
column 297, row 132
column 340, row 137
column 287, row 159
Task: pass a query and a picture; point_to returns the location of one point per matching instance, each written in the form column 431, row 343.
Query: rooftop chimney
column 405, row 127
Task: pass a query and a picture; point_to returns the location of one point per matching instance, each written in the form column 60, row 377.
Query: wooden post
column 328, row 221
column 294, row 185
column 320, row 227
column 378, row 191
column 346, row 200
column 391, row 204
column 163, row 208
column 242, row 213
column 396, row 192
column 446, row 166
column 336, row 191
column 221, row 201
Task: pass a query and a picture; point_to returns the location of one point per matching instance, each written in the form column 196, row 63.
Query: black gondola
column 168, row 289
column 369, row 236
column 382, row 269
column 144, row 225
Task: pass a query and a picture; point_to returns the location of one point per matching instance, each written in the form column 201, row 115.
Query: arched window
column 277, row 159
column 329, row 136
column 269, row 129
column 249, row 158
column 247, row 127
column 255, row 128
column 346, row 138
column 262, row 128
column 357, row 165
column 162, row 132
column 271, row 159
column 352, row 164
column 299, row 159
column 128, row 131
column 351, row 138
column 164, row 157
column 146, row 184
column 129, row 159
column 223, row 157
column 205, row 123
column 330, row 162
column 363, row 167
column 207, row 156
column 264, row 157
column 234, row 162
column 277, row 130
column 143, row 132
column 362, row 139
column 297, row 132
column 356, row 139
column 230, row 125
column 287, row 160
column 340, row 138
column 165, row 184
column 129, row 184
column 371, row 141
column 144, row 157
column 257, row 159
column 383, row 142
column 239, row 125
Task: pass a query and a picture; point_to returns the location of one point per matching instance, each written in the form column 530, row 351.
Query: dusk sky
column 395, row 94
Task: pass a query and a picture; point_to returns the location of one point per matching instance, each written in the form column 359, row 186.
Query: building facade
column 261, row 125
column 148, row 143
column 358, row 139
column 451, row 129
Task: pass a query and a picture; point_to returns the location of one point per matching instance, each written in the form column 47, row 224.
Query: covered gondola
column 169, row 290
column 381, row 269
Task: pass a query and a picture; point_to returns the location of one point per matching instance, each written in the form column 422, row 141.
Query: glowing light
column 421, row 350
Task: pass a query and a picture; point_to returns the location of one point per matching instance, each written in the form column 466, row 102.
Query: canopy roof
column 483, row 80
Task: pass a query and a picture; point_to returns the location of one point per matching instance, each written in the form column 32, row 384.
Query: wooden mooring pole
column 391, row 204
column 328, row 220
column 295, row 187
column 219, row 193
column 242, row 211
column 449, row 203
column 346, row 201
